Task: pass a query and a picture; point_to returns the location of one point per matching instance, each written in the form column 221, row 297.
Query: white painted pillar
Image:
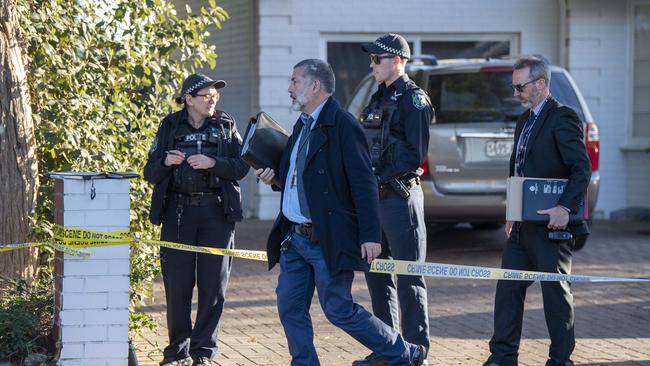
column 91, row 315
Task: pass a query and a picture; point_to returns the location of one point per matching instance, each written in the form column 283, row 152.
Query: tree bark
column 18, row 162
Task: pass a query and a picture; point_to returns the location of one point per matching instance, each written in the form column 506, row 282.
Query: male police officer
column 396, row 124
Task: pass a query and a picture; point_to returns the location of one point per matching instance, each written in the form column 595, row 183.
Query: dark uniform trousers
column 404, row 237
column 201, row 226
column 528, row 248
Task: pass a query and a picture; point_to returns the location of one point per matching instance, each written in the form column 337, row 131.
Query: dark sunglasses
column 376, row 59
column 520, row 87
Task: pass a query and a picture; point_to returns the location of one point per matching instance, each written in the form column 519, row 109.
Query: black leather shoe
column 202, row 361
column 420, row 356
column 491, row 364
column 372, row 359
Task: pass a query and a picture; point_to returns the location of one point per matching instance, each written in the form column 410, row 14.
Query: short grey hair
column 320, row 70
column 537, row 65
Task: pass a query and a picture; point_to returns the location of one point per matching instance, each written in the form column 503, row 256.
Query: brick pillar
column 91, row 298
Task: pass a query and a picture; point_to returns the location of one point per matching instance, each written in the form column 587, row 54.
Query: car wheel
column 486, row 225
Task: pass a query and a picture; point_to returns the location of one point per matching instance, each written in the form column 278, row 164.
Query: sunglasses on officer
column 520, row 87
column 376, row 59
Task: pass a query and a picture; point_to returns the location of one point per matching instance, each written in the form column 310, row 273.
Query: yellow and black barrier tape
column 63, row 248
column 443, row 270
column 73, row 237
column 70, row 240
column 8, row 247
column 238, row 253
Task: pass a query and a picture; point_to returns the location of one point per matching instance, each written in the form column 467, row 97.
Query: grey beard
column 295, row 106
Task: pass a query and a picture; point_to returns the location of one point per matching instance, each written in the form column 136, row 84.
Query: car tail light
column 592, row 141
column 425, row 167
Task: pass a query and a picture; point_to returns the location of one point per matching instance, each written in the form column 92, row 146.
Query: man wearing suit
column 549, row 143
column 329, row 222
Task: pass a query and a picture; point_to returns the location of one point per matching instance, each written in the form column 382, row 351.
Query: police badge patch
column 419, row 101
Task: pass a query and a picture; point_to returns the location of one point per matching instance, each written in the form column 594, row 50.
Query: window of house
column 641, row 70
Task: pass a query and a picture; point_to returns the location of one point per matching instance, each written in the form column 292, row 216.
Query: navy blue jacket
column 229, row 167
column 340, row 187
column 409, row 127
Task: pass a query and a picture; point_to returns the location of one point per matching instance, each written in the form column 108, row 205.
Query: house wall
column 599, row 58
column 236, row 47
column 597, row 52
column 290, row 31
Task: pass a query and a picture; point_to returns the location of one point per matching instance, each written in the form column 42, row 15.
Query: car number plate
column 498, row 148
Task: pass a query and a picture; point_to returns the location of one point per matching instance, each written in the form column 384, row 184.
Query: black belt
column 197, row 199
column 385, row 190
column 306, row 230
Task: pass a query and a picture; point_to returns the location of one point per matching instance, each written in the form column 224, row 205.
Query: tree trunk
column 18, row 163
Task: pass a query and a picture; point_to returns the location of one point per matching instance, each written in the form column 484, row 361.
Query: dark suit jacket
column 340, row 187
column 556, row 149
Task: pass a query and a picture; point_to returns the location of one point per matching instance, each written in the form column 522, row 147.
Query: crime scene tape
column 72, row 251
column 69, row 240
column 482, row 273
column 90, row 238
column 8, row 247
column 238, row 253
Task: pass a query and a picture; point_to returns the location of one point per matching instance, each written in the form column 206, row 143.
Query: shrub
column 25, row 318
column 102, row 74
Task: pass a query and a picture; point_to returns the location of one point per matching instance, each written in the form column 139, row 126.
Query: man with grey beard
column 328, row 225
column 549, row 143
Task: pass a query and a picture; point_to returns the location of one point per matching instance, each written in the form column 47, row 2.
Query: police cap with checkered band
column 197, row 82
column 389, row 43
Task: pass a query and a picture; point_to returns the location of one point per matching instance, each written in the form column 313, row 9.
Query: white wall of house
column 599, row 58
column 637, row 148
column 279, row 33
column 290, row 31
column 236, row 47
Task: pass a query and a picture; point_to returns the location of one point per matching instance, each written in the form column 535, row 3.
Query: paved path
column 612, row 320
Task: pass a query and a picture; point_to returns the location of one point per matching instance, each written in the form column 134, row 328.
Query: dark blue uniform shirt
column 409, row 128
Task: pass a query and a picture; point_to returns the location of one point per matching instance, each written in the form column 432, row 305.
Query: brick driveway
column 612, row 320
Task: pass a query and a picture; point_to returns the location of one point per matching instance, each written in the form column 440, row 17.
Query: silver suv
column 471, row 137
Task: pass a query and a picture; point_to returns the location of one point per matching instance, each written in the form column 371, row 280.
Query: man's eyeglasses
column 376, row 59
column 520, row 87
column 206, row 97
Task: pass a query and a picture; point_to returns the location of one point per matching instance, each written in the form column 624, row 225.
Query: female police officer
column 194, row 163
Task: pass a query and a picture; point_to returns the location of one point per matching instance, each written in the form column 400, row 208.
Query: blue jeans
column 303, row 269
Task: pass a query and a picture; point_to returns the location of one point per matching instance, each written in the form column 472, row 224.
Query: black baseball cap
column 389, row 43
column 196, row 82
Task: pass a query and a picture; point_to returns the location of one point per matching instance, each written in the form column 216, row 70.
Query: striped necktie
column 523, row 142
column 301, row 158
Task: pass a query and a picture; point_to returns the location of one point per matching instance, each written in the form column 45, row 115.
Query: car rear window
column 474, row 97
column 487, row 96
column 562, row 90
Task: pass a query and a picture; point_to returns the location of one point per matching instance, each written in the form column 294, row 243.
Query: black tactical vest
column 375, row 120
column 208, row 140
